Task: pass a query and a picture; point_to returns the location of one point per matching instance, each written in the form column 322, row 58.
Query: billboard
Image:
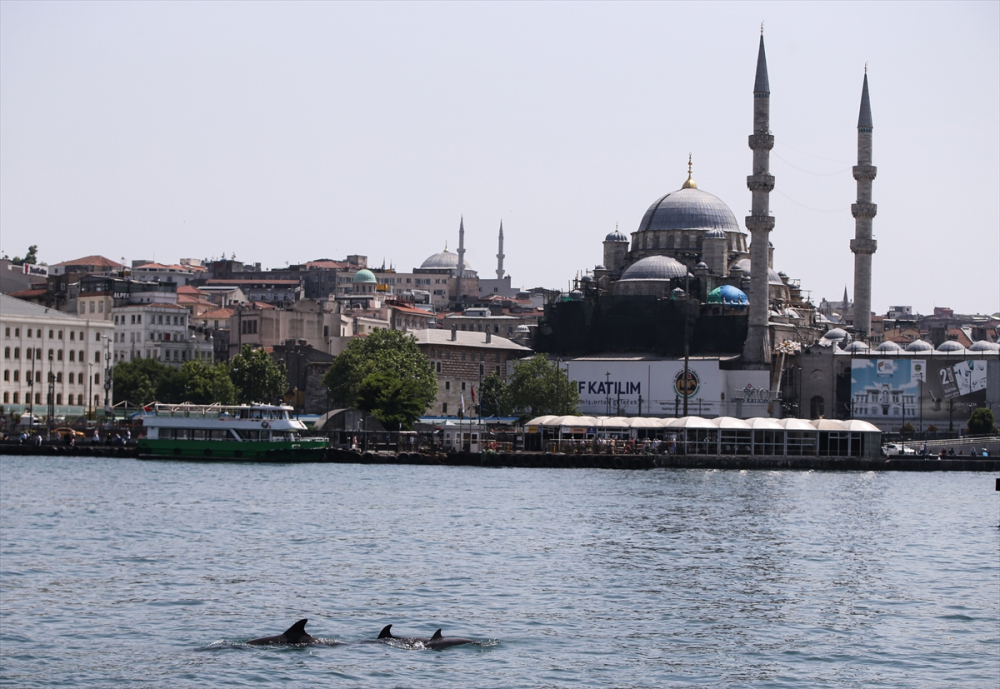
column 618, row 387
column 935, row 390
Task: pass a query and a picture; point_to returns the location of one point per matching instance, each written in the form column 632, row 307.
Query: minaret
column 500, row 255
column 461, row 259
column 461, row 246
column 757, row 349
column 863, row 211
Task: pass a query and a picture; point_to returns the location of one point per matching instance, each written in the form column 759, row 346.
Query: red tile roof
column 90, row 261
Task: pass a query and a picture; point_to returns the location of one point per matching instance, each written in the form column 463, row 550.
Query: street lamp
column 90, row 391
column 31, row 392
column 107, row 377
column 52, row 395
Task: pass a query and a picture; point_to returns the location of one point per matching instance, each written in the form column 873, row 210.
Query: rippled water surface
column 128, row 573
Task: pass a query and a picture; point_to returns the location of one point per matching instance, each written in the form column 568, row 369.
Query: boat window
column 198, row 434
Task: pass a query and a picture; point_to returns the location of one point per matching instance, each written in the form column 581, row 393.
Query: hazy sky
column 287, row 132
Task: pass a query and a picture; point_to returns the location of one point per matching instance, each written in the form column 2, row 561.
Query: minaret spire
column 864, row 211
column 757, row 348
column 500, row 255
column 461, row 246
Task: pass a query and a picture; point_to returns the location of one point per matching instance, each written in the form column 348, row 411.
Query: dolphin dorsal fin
column 437, row 635
column 385, row 633
column 297, row 630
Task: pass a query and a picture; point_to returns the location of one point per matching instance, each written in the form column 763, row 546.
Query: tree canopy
column 386, row 375
column 540, row 387
column 256, row 376
column 142, row 381
column 30, row 257
column 494, row 395
column 982, row 421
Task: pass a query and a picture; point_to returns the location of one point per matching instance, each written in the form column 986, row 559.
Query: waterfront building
column 52, row 361
column 158, row 330
column 461, row 361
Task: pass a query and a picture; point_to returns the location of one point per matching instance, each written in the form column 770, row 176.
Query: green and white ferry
column 257, row 432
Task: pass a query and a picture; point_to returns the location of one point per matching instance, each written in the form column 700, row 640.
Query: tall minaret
column 757, row 349
column 461, row 246
column 863, row 211
column 500, row 255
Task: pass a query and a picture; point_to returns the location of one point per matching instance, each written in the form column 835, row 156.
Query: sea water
column 154, row 574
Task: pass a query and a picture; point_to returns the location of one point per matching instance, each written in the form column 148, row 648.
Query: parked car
column 891, row 449
column 66, row 433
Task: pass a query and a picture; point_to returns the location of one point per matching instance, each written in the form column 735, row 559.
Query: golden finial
column 690, row 183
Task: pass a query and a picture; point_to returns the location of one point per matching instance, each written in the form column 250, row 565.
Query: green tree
column 394, row 401
column 982, row 421
column 494, row 395
column 540, row 387
column 138, row 381
column 256, row 376
column 198, row 382
column 30, row 257
column 390, row 359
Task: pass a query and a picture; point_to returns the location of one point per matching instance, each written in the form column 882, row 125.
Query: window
column 92, row 306
column 439, row 367
column 138, row 319
column 16, row 397
column 71, row 378
column 482, row 369
column 97, row 379
column 6, row 352
column 60, row 334
column 444, row 408
column 38, row 398
column 17, row 352
column 17, row 375
column 447, row 385
column 463, row 385
column 59, row 398
column 17, row 332
column 50, row 334
column 72, row 334
column 97, row 337
column 100, row 307
column 6, row 374
column 133, row 319
column 59, row 377
column 80, row 358
column 6, row 398
column 59, row 355
column 7, row 332
column 52, row 354
column 97, row 357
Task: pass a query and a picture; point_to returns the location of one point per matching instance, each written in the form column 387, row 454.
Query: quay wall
column 567, row 461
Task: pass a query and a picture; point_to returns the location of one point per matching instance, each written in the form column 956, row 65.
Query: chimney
column 454, row 333
column 489, row 337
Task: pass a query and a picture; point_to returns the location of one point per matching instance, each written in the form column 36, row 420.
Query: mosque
column 689, row 255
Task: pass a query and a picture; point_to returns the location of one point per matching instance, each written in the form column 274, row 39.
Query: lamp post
column 52, row 396
column 90, row 391
column 31, row 392
column 607, row 389
column 107, row 378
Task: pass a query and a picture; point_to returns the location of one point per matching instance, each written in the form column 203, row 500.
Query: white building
column 157, row 331
column 51, row 357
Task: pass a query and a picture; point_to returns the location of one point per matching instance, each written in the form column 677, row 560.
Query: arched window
column 817, row 407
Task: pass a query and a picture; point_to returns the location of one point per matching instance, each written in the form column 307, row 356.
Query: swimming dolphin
column 296, row 634
column 437, row 642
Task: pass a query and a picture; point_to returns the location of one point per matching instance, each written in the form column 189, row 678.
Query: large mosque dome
column 445, row 260
column 655, row 268
column 689, row 209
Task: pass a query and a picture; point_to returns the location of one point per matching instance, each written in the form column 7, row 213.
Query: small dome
column 616, row 236
column 655, row 268
column 576, row 294
column 984, row 346
column 728, row 295
column 835, row 334
column 599, row 267
column 715, row 234
column 364, row 277
column 443, row 260
column 586, row 278
column 522, row 329
column 773, row 278
column 857, row 347
column 951, row 346
column 919, row 346
column 888, row 347
column 702, row 265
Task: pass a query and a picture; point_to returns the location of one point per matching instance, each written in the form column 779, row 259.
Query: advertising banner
column 928, row 389
column 613, row 387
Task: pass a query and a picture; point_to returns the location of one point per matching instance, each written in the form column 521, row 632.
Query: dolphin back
column 385, row 633
column 296, row 634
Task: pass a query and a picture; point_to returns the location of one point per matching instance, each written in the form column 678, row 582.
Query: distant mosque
column 464, row 283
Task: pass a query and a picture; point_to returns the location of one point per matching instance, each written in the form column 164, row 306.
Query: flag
column 463, row 404
column 473, row 388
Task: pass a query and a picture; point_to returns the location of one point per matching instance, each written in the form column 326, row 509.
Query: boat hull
column 234, row 451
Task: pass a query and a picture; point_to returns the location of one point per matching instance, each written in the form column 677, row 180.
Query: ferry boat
column 257, row 432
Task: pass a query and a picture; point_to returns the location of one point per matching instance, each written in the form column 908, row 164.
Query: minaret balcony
column 760, row 222
column 865, row 171
column 864, row 210
column 760, row 182
column 864, row 246
column 761, row 141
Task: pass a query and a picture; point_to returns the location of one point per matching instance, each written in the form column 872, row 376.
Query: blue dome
column 728, row 295
column 655, row 268
column 616, row 236
column 689, row 209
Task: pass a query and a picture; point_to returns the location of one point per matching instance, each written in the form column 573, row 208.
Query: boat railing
column 218, row 411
